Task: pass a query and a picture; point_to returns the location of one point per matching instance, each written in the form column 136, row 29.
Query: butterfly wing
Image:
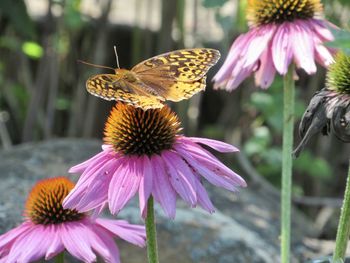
column 179, row 74
column 112, row 87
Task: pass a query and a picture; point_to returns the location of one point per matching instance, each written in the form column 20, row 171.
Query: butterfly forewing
column 184, row 65
column 171, row 76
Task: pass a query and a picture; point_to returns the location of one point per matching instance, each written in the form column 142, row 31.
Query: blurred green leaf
column 225, row 22
column 213, row 3
column 10, row 42
column 62, row 104
column 259, row 142
column 32, row 49
column 16, row 12
column 212, row 131
column 318, row 169
column 72, row 15
column 342, row 40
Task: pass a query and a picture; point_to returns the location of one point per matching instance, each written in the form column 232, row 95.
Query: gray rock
column 245, row 227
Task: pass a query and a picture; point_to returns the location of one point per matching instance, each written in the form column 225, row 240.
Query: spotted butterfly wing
column 178, row 75
column 174, row 76
column 114, row 87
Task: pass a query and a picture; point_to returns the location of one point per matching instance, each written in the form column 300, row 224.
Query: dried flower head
column 329, row 109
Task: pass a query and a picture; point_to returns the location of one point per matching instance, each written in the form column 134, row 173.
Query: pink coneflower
column 143, row 153
column 49, row 229
column 281, row 32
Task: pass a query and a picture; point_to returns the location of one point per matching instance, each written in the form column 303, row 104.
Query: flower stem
column 343, row 226
column 288, row 125
column 152, row 248
column 60, row 258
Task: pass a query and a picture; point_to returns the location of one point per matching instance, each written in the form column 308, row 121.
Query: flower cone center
column 44, row 203
column 133, row 131
column 338, row 76
column 262, row 12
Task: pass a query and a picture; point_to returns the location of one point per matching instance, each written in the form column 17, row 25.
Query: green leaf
column 16, row 12
column 318, row 169
column 32, row 50
column 213, row 3
column 259, row 142
column 72, row 15
column 342, row 40
column 226, row 22
column 62, row 104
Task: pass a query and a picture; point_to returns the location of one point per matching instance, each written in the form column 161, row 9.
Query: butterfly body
column 171, row 76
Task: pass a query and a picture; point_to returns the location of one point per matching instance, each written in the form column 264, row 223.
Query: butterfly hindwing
column 109, row 87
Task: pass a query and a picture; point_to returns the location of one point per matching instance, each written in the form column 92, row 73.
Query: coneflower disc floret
column 44, row 203
column 338, row 76
column 262, row 12
column 134, row 131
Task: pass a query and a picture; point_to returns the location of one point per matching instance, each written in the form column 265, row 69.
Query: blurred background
column 43, row 96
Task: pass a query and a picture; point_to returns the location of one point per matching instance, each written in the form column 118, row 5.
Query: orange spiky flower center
column 44, row 203
column 134, row 131
column 261, row 12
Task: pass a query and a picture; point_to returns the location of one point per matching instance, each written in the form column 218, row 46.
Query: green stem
column 288, row 125
column 60, row 258
column 152, row 249
column 343, row 226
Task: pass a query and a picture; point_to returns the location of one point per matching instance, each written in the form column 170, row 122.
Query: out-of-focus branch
column 90, row 115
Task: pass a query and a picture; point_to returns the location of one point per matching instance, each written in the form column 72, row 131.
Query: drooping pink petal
column 55, row 244
column 181, row 177
column 321, row 29
column 303, row 48
column 134, row 234
column 124, row 184
column 212, row 177
column 96, row 192
column 239, row 74
column 323, row 55
column 77, row 242
column 104, row 245
column 163, row 192
column 234, row 54
column 145, row 185
column 30, row 247
column 266, row 73
column 216, row 145
column 98, row 210
column 210, row 162
column 203, row 198
column 80, row 168
column 282, row 53
column 258, row 44
column 7, row 239
column 74, row 197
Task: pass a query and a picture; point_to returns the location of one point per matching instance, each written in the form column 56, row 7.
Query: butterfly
column 173, row 76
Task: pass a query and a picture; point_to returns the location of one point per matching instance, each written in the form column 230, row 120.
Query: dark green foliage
column 213, row 3
column 16, row 12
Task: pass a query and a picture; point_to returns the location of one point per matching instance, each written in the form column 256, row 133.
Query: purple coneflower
column 143, row 153
column 49, row 229
column 281, row 32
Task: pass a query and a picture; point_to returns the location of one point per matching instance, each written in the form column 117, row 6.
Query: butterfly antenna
column 116, row 56
column 94, row 65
